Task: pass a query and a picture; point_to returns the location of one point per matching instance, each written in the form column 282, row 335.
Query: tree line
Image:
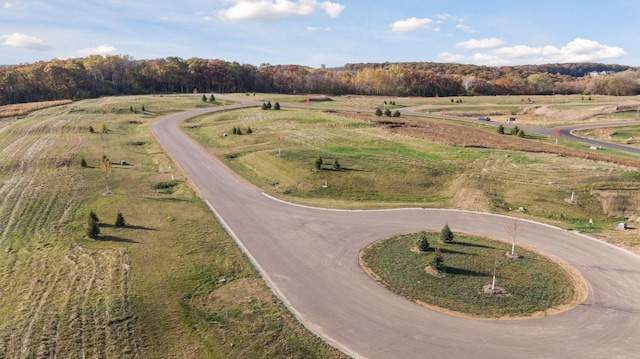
column 95, row 76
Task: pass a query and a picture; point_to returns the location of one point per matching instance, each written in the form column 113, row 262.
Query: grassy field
column 535, row 285
column 625, row 135
column 382, row 167
column 171, row 284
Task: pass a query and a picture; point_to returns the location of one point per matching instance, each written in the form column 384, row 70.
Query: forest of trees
column 95, row 76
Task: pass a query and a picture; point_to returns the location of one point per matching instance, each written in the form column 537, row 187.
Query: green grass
column 535, row 283
column 171, row 283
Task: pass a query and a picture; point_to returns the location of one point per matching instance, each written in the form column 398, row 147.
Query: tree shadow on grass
column 116, row 239
column 465, row 272
column 450, row 251
column 108, row 225
column 473, row 245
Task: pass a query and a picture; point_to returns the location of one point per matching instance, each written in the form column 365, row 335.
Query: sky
column 320, row 33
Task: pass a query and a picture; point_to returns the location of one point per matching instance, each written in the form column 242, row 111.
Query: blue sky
column 317, row 32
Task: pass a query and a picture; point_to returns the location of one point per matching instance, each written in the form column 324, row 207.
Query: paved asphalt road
column 309, row 257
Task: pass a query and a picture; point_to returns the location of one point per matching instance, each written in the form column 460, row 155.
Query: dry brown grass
column 23, row 109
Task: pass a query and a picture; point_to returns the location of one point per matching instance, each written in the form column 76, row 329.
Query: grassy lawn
column 383, row 169
column 535, row 284
column 171, row 284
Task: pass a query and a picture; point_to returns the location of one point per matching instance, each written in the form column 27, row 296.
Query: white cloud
column 103, row 50
column 316, row 28
column 449, row 57
column 489, row 60
column 410, row 24
column 474, row 44
column 466, row 28
column 275, row 9
column 578, row 50
column 24, row 41
column 332, row 9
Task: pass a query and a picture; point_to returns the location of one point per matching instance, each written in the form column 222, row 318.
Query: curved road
column 309, row 257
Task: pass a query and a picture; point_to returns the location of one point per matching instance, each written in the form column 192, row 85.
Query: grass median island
column 536, row 284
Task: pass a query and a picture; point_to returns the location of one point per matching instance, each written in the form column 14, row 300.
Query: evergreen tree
column 212, row 98
column 120, row 222
column 396, row 113
column 83, row 162
column 92, row 228
column 268, row 105
column 93, row 215
column 318, row 164
column 204, row 98
column 235, row 130
column 238, row 131
column 264, row 106
column 91, row 129
column 446, row 235
column 378, row 112
column 437, row 262
column 514, row 130
column 336, row 165
column 423, row 242
column 276, row 106
column 143, row 108
column 387, row 113
column 501, row 129
column 249, row 130
column 520, row 133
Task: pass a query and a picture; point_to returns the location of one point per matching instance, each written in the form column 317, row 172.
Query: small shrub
column 249, row 130
column 264, row 106
column 336, row 165
column 143, row 108
column 446, row 235
column 387, row 113
column 93, row 215
column 514, row 130
column 276, row 106
column 92, row 228
column 120, row 222
column 423, row 242
column 318, row 164
column 437, row 262
column 396, row 113
column 501, row 129
column 91, row 129
column 520, row 134
column 83, row 162
column 212, row 98
column 204, row 98
column 378, row 112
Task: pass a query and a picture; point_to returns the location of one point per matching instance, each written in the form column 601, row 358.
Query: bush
column 501, row 129
column 520, row 134
column 120, row 222
column 264, row 106
column 92, row 228
column 336, row 165
column 396, row 113
column 91, row 129
column 437, row 262
column 387, row 113
column 318, row 164
column 212, row 98
column 83, row 162
column 515, row 130
column 249, row 130
column 276, row 106
column 423, row 242
column 204, row 98
column 378, row 112
column 446, row 235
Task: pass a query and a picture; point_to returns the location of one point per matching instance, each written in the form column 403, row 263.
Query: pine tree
column 249, row 130
column 92, row 228
column 396, row 113
column 83, row 162
column 446, row 235
column 336, row 165
column 91, row 129
column 378, row 112
column 264, row 106
column 423, row 242
column 212, row 98
column 501, row 129
column 204, row 98
column 93, row 215
column 437, row 262
column 387, row 113
column 276, row 106
column 120, row 222
column 318, row 164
